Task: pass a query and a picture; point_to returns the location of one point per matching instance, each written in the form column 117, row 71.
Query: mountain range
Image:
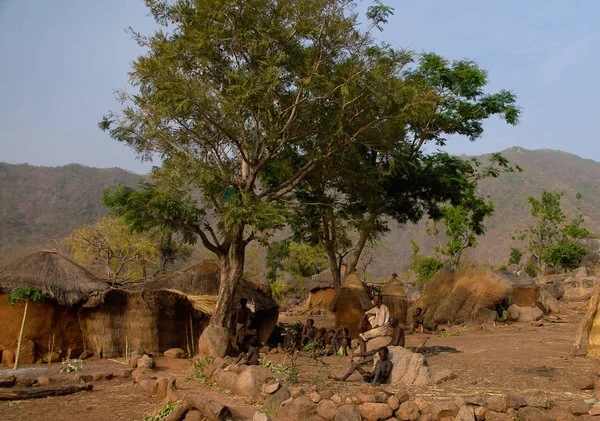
column 41, row 204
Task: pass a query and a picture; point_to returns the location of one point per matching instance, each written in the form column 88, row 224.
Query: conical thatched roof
column 517, row 281
column 393, row 288
column 204, row 278
column 58, row 277
column 323, row 280
column 352, row 286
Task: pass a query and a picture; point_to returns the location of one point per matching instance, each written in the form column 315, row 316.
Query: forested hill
column 39, row 204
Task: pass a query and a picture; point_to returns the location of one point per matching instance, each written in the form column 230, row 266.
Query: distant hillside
column 39, row 204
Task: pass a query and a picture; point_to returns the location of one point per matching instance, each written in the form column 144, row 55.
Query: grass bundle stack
column 394, row 297
column 349, row 303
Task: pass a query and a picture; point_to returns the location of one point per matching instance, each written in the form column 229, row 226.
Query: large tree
column 229, row 91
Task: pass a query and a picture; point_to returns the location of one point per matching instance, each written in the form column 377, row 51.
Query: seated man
column 418, row 320
column 250, row 357
column 381, row 371
column 375, row 321
column 308, row 332
column 245, row 334
column 394, row 330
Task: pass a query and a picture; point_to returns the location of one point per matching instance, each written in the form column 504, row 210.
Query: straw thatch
column 394, row 297
column 60, row 278
column 454, row 297
column 118, row 321
column 350, row 303
column 323, row 280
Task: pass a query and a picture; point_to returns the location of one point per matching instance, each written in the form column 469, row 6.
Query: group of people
column 376, row 322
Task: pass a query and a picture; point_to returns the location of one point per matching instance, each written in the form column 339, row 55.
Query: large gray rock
column 214, row 341
column 347, row 413
column 532, row 414
column 581, row 272
column 326, row 409
column 548, row 303
column 465, row 413
column 372, row 411
column 524, row 314
column 557, row 289
column 409, row 368
column 379, row 342
column 250, row 381
column 300, row 408
column 274, row 400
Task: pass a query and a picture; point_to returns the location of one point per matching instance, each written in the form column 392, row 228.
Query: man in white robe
column 379, row 317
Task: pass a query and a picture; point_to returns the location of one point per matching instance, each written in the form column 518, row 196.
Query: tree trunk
column 18, row 356
column 334, row 267
column 41, row 392
column 214, row 340
column 360, row 245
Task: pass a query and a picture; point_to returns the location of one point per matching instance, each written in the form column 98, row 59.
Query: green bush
column 531, row 269
column 426, row 267
column 566, row 256
column 502, row 267
column 515, row 256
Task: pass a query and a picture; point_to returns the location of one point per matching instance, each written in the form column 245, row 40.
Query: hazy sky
column 61, row 60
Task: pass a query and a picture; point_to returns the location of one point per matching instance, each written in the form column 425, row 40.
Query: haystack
column 394, row 297
column 204, row 278
column 349, row 304
column 52, row 323
column 590, row 327
column 321, row 290
column 455, row 297
column 119, row 321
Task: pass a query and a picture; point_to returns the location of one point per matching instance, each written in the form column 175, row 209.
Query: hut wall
column 325, row 295
column 348, row 313
column 266, row 321
column 142, row 321
column 44, row 321
column 525, row 296
column 397, row 306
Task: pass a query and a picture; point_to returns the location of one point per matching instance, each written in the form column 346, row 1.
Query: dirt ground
column 488, row 360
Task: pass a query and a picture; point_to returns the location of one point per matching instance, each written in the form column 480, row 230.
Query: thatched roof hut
column 349, row 303
column 394, row 297
column 455, row 297
column 204, row 278
column 52, row 323
column 60, row 278
column 321, row 290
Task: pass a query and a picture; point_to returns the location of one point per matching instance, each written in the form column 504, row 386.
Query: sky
column 62, row 60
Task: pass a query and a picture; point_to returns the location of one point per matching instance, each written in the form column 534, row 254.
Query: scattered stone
column 594, row 411
column 480, row 412
column 515, row 401
column 408, row 411
column 8, row 380
column 497, row 403
column 265, row 349
column 315, row 397
column 560, row 414
column 326, row 409
column 579, row 408
column 226, row 379
column 300, row 409
column 459, row 401
column 123, row 373
column 146, row 361
column 83, row 378
column 101, row 376
column 476, row 400
column 548, row 303
column 423, row 405
column 585, row 382
column 465, row 413
column 426, row 417
column 375, row 411
column 148, row 386
column 141, row 373
column 532, row 414
column 296, row 392
column 442, row 375
column 348, row 401
column 326, row 394
column 536, row 398
column 165, row 385
column 393, row 402
column 270, row 388
column 260, row 416
column 347, row 413
column 273, row 401
column 8, row 357
column 403, row 396
column 496, row 416
column 557, row 289
column 174, row 353
column 364, row 398
column 581, row 272
column 381, row 397
column 337, row 399
column 444, row 409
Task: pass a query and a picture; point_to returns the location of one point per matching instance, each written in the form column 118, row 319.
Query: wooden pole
column 187, row 342
column 192, row 335
column 18, row 357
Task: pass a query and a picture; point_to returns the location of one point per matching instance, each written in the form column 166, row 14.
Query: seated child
column 250, row 357
column 381, row 371
column 418, row 320
column 341, row 341
column 308, row 332
column 244, row 335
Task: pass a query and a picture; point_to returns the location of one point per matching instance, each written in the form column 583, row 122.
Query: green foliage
column 199, row 366
column 531, row 268
column 305, row 260
column 564, row 255
column 71, row 365
column 277, row 253
column 502, row 267
column 25, row 294
column 163, row 413
column 288, row 371
column 423, row 267
column 515, row 257
column 554, row 235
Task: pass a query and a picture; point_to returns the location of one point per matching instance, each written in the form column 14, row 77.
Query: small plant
column 447, row 335
column 314, row 350
column 163, row 413
column 531, row 268
column 267, row 411
column 69, row 366
column 289, row 372
column 199, row 365
column 24, row 294
column 516, row 255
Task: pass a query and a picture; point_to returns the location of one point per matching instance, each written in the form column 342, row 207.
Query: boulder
column 408, row 411
column 536, row 398
column 165, row 385
column 497, row 403
column 444, row 409
column 480, row 412
column 485, row 315
column 409, row 368
column 581, row 272
column 557, row 290
column 347, row 413
column 393, row 402
column 270, row 388
column 560, row 414
column 260, row 416
column 364, row 397
column 174, row 353
column 225, row 379
column 548, row 303
column 300, row 408
column 585, row 382
column 423, row 406
column 371, row 411
column 496, row 416
column 465, row 413
column 148, row 386
column 273, row 401
column 214, row 341
column 532, row 414
column 524, row 314
column 379, row 342
column 315, row 397
column 147, row 362
column 441, row 375
column 249, row 382
column 579, row 408
column 326, row 409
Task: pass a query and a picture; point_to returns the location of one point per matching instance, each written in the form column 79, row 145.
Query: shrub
column 426, row 267
column 567, row 256
column 531, row 269
column 515, row 256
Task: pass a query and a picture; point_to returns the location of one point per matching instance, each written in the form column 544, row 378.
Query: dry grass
column 58, row 277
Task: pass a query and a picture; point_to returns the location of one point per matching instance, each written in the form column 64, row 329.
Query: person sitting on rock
column 250, row 357
column 395, row 330
column 382, row 368
column 375, row 322
column 418, row 320
column 245, row 334
column 308, row 332
column 341, row 341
